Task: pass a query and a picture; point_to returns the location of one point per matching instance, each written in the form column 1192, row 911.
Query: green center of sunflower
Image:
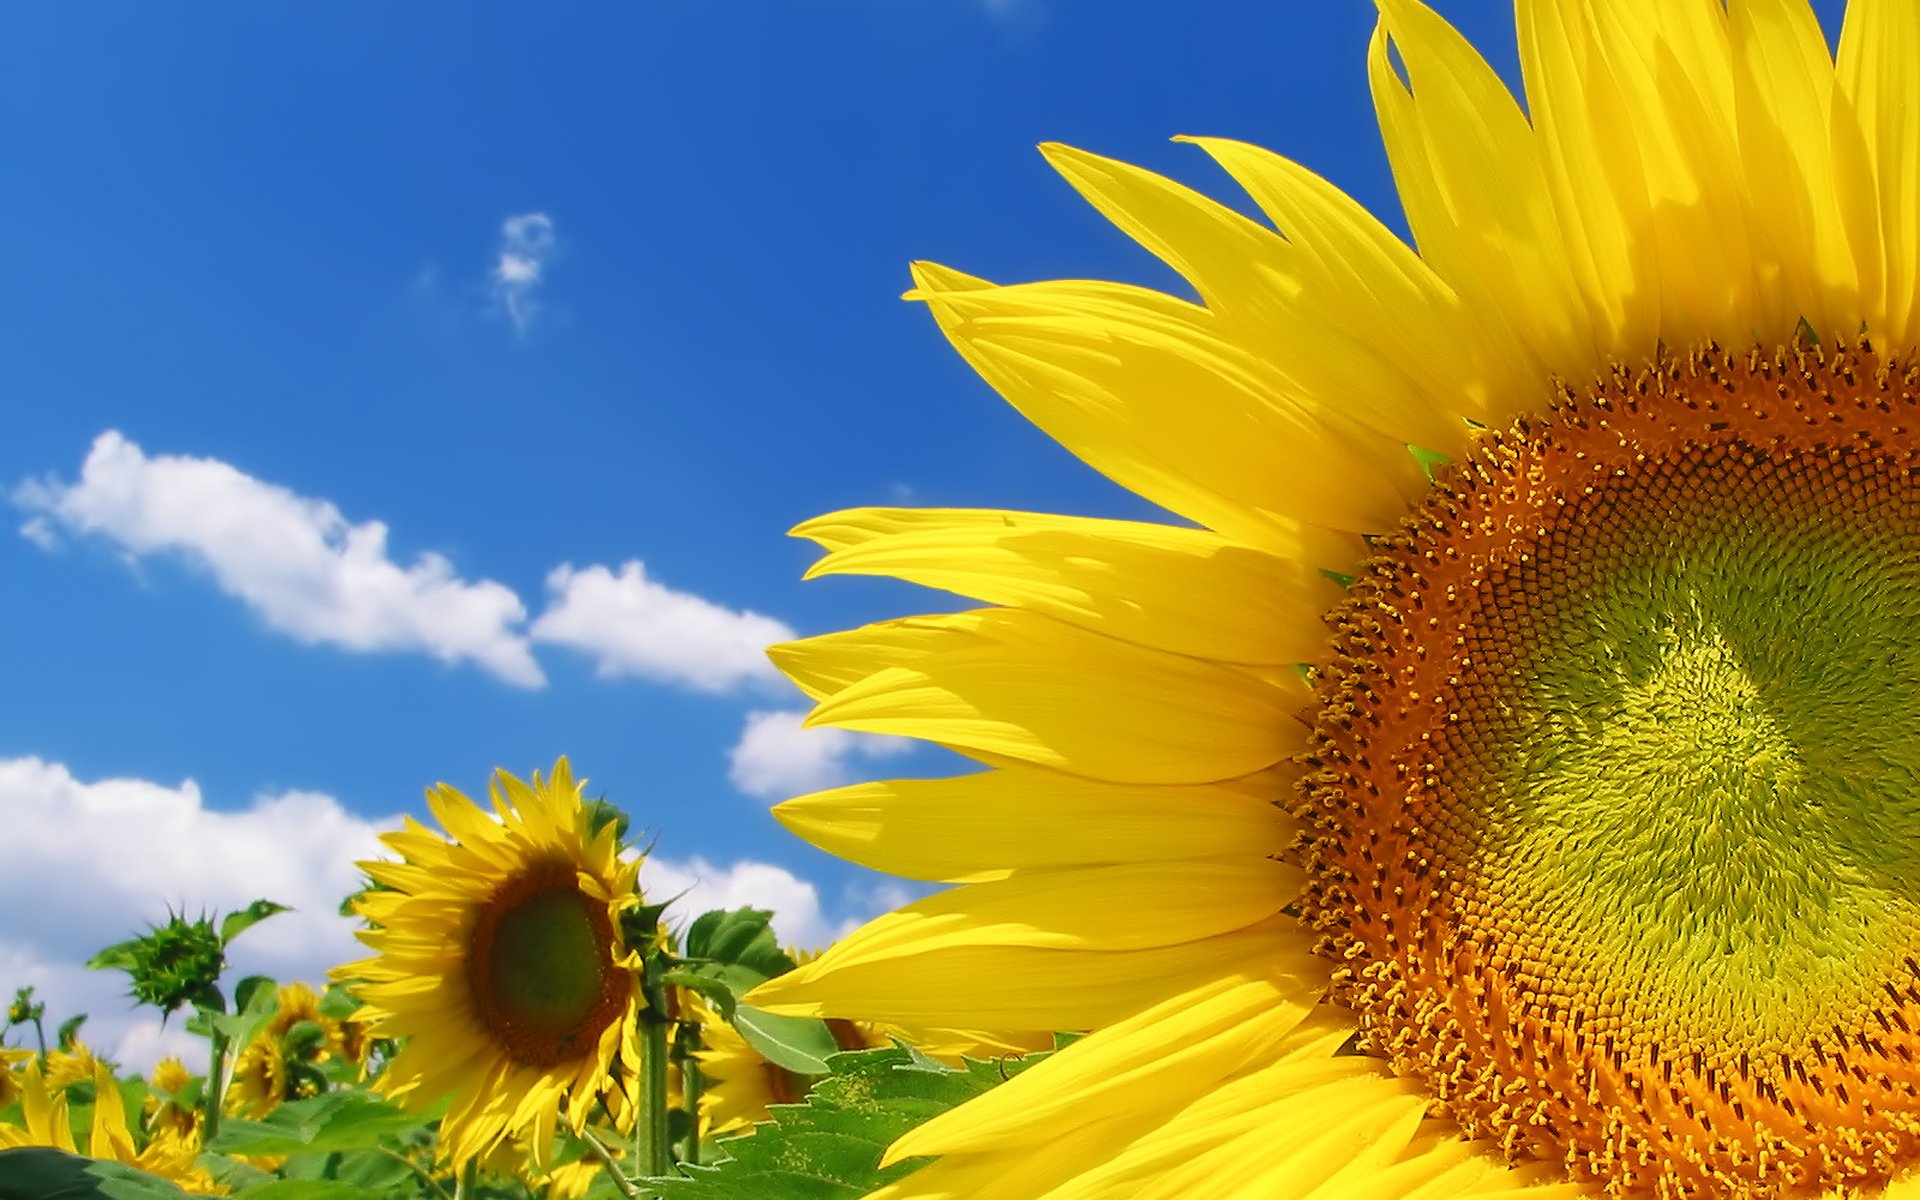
column 542, row 968
column 1617, row 780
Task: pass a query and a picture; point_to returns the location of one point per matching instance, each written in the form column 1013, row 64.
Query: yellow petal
column 1370, row 310
column 1130, row 906
column 1274, row 296
column 1188, row 591
column 109, row 1138
column 1594, row 173
column 1145, row 390
column 1023, row 987
column 1280, row 1105
column 1021, row 819
column 1796, row 174
column 1022, row 1176
column 1188, row 1043
column 832, row 662
column 1879, row 45
column 1473, row 180
column 1087, row 705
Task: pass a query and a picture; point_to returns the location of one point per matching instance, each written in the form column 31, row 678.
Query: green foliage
column 829, row 1147
column 338, row 1120
column 742, row 937
column 41, row 1173
column 238, row 923
column 800, row 1044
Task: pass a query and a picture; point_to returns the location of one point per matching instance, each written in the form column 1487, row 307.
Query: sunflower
column 260, row 1079
column 12, row 1061
column 164, row 1109
column 281, row 1062
column 500, row 961
column 69, row 1064
column 48, row 1122
column 1509, row 777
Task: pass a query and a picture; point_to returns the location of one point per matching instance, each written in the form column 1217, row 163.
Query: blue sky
column 532, row 287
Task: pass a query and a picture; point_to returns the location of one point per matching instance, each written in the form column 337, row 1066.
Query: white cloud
column 797, row 916
column 632, row 625
column 776, row 758
column 294, row 560
column 92, row 863
column 527, row 245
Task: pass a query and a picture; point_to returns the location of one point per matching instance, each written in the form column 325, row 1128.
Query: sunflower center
column 1616, row 797
column 542, row 967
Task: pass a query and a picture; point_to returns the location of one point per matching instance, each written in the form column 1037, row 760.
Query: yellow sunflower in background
column 72, row 1063
column 1533, row 703
column 12, row 1062
column 49, row 1122
column 264, row 1072
column 163, row 1111
column 259, row 1082
column 499, row 960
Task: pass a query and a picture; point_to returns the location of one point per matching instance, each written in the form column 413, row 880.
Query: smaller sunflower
column 72, row 1063
column 500, row 963
column 166, row 1109
column 10, row 1062
column 259, row 1078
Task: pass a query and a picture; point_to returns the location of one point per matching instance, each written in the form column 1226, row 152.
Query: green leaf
column 722, row 983
column 342, row 1120
column 248, row 989
column 239, row 1027
column 69, row 1031
column 306, row 1189
column 238, row 923
column 40, row 1173
column 829, row 1147
column 742, row 936
column 117, row 957
column 801, row 1044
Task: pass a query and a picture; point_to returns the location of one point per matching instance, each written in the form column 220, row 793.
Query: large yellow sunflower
column 501, row 963
column 1532, row 705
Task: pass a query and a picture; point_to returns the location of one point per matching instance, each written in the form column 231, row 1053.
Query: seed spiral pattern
column 1614, row 791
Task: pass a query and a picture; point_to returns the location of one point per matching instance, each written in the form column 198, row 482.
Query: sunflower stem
column 650, row 1137
column 424, row 1175
column 691, row 1083
column 463, row 1187
column 602, row 1152
column 210, row 1095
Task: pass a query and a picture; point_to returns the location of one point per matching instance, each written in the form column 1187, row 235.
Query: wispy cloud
column 630, row 625
column 527, row 245
column 776, row 758
column 294, row 560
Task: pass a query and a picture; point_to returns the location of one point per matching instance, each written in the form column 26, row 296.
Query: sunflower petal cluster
column 47, row 1121
column 1317, row 875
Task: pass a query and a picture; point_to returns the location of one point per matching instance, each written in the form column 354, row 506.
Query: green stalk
column 463, row 1187
column 211, row 1093
column 605, row 1155
column 650, row 1149
column 691, row 1083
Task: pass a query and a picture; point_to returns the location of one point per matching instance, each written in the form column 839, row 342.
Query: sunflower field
column 529, row 1026
column 1497, row 776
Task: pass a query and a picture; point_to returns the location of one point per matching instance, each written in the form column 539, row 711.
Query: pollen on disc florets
column 1614, row 794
